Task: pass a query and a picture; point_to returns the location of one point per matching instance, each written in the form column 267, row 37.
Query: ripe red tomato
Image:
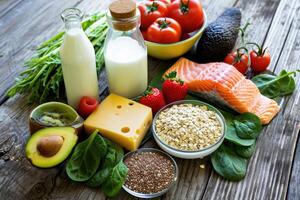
column 188, row 13
column 150, row 11
column 164, row 30
column 238, row 60
column 260, row 59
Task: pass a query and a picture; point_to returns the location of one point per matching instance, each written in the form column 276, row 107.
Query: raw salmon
column 225, row 85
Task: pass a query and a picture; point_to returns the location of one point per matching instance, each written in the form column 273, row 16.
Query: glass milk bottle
column 125, row 52
column 78, row 59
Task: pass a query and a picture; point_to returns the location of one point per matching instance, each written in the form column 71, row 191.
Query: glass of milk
column 125, row 51
column 78, row 59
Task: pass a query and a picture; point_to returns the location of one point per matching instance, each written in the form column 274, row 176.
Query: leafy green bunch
column 43, row 79
column 98, row 162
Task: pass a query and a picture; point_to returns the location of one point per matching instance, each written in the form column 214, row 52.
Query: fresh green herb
column 247, row 126
column 274, row 86
column 228, row 164
column 115, row 180
column 42, row 79
column 85, row 160
column 114, row 155
column 245, row 152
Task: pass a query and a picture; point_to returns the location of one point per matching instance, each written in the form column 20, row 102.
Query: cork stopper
column 122, row 10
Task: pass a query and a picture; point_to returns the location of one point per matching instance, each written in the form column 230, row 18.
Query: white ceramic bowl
column 190, row 154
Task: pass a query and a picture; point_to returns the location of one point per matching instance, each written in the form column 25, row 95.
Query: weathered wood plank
column 269, row 169
column 53, row 183
column 7, row 5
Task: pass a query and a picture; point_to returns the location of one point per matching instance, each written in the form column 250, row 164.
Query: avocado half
column 67, row 137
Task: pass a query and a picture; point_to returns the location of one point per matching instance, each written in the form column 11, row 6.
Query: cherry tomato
column 164, row 30
column 238, row 60
column 188, row 13
column 86, row 106
column 260, row 59
column 150, row 11
column 260, row 63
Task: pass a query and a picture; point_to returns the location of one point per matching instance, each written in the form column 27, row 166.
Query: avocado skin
column 219, row 37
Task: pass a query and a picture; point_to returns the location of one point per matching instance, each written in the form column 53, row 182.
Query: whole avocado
column 219, row 37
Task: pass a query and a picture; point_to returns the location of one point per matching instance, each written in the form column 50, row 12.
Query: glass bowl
column 184, row 153
column 157, row 194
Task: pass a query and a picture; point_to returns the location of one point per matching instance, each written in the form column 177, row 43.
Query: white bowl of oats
column 189, row 129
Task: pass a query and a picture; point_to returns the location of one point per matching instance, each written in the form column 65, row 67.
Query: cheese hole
column 131, row 103
column 125, row 129
column 119, row 106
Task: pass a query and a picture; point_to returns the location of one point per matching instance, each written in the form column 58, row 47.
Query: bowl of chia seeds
column 151, row 173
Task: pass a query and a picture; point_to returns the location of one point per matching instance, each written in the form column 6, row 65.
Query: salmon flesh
column 222, row 83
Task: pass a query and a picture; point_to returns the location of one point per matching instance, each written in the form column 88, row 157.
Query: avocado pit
column 48, row 146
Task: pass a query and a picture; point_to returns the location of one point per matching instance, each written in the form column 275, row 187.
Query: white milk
column 126, row 67
column 79, row 66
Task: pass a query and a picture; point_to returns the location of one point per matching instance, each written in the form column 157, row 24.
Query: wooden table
column 273, row 170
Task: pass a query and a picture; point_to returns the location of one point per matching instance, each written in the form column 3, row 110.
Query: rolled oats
column 188, row 127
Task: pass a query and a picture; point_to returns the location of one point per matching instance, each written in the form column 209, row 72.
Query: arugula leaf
column 115, row 180
column 245, row 152
column 273, row 86
column 247, row 125
column 85, row 160
column 228, row 164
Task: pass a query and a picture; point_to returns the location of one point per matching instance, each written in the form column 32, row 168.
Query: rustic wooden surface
column 273, row 171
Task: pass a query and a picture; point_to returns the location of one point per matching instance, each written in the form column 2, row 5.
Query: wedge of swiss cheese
column 122, row 120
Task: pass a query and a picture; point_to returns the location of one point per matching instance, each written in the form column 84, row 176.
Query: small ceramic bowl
column 74, row 119
column 190, row 154
column 152, row 195
column 173, row 50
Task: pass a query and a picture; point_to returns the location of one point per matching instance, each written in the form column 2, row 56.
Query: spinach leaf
column 228, row 164
column 115, row 180
column 245, row 152
column 231, row 134
column 247, row 125
column 273, row 86
column 114, row 155
column 85, row 160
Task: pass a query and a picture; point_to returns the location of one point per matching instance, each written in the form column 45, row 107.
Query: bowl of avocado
column 54, row 114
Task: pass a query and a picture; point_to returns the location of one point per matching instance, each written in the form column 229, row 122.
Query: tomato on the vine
column 260, row 60
column 188, row 13
column 238, row 60
column 164, row 30
column 150, row 11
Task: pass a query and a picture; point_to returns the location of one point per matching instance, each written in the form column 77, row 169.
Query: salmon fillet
column 224, row 84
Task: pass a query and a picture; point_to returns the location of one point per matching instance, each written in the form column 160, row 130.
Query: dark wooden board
column 275, row 22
